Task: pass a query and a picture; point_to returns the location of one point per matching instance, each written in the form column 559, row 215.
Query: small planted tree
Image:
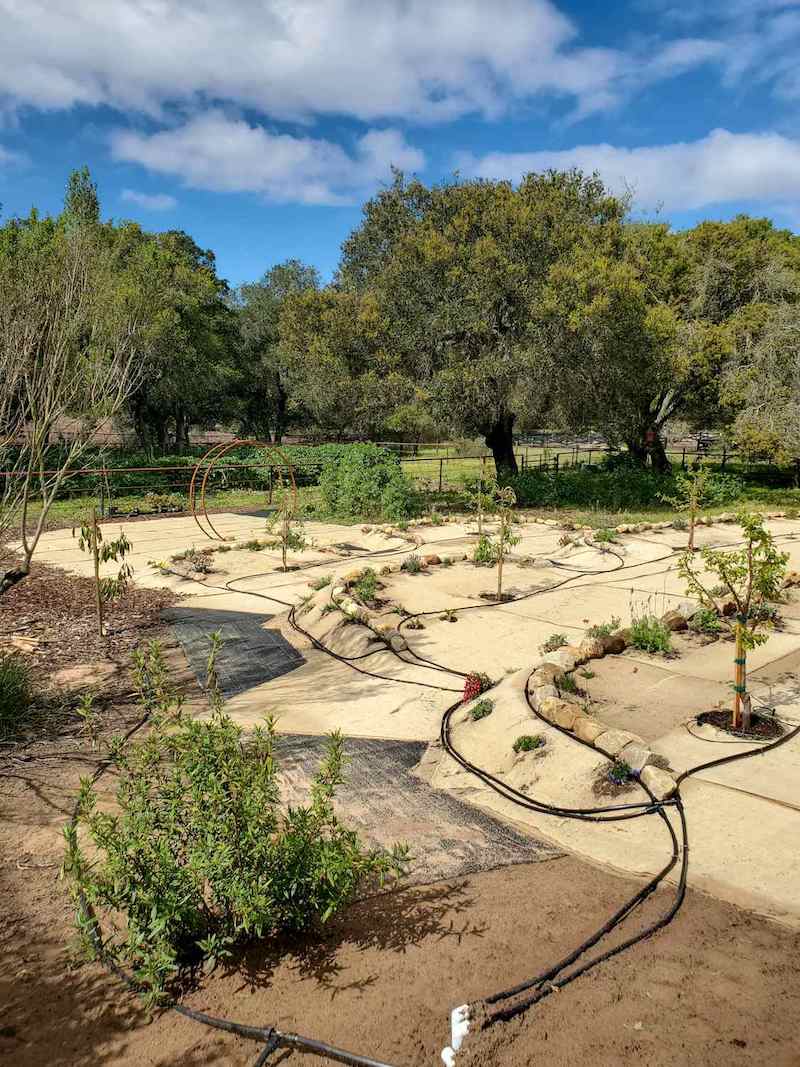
column 752, row 576
column 90, row 539
column 505, row 498
column 692, row 491
column 286, row 527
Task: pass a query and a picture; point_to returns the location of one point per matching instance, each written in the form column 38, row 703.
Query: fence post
column 441, row 470
column 683, row 458
column 555, row 461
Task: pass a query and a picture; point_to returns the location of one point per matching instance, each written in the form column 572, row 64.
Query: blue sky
column 260, row 126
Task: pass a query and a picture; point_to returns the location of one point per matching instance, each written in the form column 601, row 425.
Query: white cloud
column 226, row 154
column 149, row 201
column 719, row 168
column 292, row 59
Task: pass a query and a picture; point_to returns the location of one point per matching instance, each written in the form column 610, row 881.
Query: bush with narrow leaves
column 199, row 857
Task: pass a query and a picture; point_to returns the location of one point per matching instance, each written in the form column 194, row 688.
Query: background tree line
column 471, row 308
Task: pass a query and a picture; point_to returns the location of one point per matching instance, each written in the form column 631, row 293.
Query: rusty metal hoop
column 209, row 461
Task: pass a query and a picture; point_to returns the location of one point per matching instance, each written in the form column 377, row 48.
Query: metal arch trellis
column 210, row 460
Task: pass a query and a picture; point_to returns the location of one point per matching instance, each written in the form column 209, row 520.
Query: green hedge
column 366, row 481
column 624, row 487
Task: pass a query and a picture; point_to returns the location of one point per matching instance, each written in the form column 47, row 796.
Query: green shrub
column 199, row 857
column 366, row 587
column 484, row 551
column 321, row 583
column 366, row 482
column 649, row 634
column 605, row 536
column 528, row 743
column 705, row 621
column 554, row 642
column 16, row 692
column 481, row 709
column 411, row 564
column 619, row 772
column 604, row 629
column 567, row 684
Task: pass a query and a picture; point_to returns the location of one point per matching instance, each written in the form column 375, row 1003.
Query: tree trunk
column 181, row 432
column 648, row 445
column 501, row 441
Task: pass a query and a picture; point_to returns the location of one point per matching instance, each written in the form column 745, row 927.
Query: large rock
column 591, row 648
column 353, row 576
column 431, row 561
column 674, row 620
column 588, row 729
column 561, row 658
column 559, row 712
column 397, row 641
column 612, row 742
column 660, row 783
column 613, row 644
column 547, row 674
column 544, row 692
column 575, row 652
column 636, row 756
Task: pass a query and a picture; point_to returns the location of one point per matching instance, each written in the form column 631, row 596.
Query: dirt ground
column 718, row 986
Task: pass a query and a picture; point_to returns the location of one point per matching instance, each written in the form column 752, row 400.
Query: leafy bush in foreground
column 16, row 692
column 366, row 481
column 650, row 634
column 199, row 857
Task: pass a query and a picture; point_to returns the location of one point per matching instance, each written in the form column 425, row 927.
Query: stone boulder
column 547, row 674
column 561, row 658
column 660, row 783
column 588, row 729
column 591, row 648
column 613, row 644
column 612, row 741
column 674, row 620
column 559, row 712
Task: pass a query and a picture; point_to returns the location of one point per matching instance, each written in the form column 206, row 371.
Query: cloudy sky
column 260, row 126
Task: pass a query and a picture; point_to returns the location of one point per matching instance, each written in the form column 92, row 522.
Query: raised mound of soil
column 761, row 727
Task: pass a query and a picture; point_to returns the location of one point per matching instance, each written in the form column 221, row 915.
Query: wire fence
column 162, row 489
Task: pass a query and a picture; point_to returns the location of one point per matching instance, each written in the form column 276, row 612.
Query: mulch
column 57, row 611
column 761, row 727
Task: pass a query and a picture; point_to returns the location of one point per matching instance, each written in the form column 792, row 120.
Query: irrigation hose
column 508, row 1003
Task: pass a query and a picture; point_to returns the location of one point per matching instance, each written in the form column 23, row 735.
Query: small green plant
column 706, row 621
column 447, row 561
column 285, row 526
column 366, row 587
column 528, row 743
column 619, row 772
column 224, row 548
column 253, row 545
column 90, row 539
column 605, row 536
column 164, row 502
column 481, row 709
column 680, row 523
column 604, row 629
column 321, row 583
column 199, row 561
column 436, row 519
column 88, row 715
column 650, row 634
column 505, row 498
column 411, row 564
column 449, row 615
column 198, row 856
column 567, row 684
column 586, row 673
column 554, row 642
column 16, row 692
column 691, row 493
column 483, row 553
column 329, row 607
column 415, row 624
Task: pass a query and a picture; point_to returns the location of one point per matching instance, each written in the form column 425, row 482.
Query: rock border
column 562, row 709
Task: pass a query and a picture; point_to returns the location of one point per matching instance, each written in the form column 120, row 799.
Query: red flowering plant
column 475, row 684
